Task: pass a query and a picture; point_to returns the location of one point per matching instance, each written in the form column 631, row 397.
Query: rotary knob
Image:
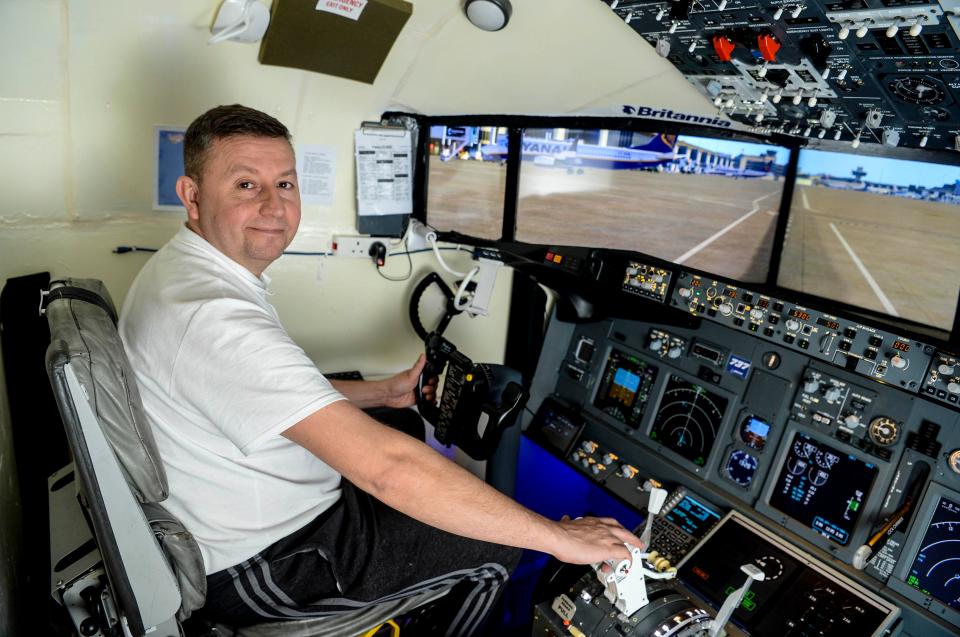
column 953, row 388
column 674, row 352
column 596, row 468
column 726, row 309
column 793, row 325
column 811, row 386
column 608, row 458
column 589, row 446
column 898, row 361
column 627, row 471
column 945, row 369
column 585, row 462
column 852, row 421
column 648, row 285
column 656, row 344
column 884, row 431
column 684, row 293
column 833, row 394
column 756, row 314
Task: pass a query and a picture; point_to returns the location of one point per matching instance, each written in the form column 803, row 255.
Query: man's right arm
column 411, row 477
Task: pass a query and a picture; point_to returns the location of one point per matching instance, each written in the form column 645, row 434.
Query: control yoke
column 478, row 401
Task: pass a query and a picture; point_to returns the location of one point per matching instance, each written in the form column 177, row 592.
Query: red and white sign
column 347, row 8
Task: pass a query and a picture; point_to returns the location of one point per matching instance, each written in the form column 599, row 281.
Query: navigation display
column 936, row 568
column 688, row 419
column 625, row 387
column 467, row 179
column 861, row 228
column 823, row 488
column 708, row 203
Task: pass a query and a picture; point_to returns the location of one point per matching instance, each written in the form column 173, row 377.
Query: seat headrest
column 82, row 332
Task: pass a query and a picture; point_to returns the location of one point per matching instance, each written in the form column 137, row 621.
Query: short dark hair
column 221, row 122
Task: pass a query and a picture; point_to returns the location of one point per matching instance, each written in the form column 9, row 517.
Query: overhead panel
column 865, row 71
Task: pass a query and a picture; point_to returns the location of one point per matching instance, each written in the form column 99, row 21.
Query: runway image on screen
column 467, row 179
column 876, row 232
column 706, row 203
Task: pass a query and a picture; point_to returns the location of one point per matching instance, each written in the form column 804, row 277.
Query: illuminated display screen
column 827, row 323
column 467, row 179
column 688, row 419
column 703, row 202
column 845, row 207
column 792, row 598
column 694, row 517
column 823, row 488
column 800, row 314
column 754, row 432
column 625, row 387
column 936, row 568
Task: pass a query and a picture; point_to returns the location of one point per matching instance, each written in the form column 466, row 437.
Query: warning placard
column 347, row 8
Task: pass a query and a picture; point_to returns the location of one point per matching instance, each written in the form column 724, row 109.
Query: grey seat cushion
column 83, row 334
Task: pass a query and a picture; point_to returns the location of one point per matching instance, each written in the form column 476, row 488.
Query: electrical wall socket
column 355, row 245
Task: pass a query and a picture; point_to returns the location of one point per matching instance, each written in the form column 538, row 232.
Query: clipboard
column 384, row 178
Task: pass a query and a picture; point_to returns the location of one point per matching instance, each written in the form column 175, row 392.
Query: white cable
column 462, row 289
column 432, row 240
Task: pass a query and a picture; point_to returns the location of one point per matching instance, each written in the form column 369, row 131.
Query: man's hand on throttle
column 591, row 540
column 400, row 390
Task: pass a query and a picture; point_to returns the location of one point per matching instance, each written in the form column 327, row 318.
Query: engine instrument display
column 688, row 419
column 823, row 488
column 936, row 568
column 625, row 387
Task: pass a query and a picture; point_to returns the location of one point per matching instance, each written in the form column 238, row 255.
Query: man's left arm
column 397, row 391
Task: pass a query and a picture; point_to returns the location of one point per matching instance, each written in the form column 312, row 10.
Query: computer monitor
column 467, row 179
column 710, row 203
column 879, row 233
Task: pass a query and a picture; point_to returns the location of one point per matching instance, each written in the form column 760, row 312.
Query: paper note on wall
column 316, row 171
column 384, row 184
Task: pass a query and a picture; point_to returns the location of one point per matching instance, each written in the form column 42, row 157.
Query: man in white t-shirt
column 301, row 503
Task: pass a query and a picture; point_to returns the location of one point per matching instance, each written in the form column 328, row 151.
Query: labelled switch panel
column 846, row 411
column 862, row 349
column 872, row 71
column 665, row 345
column 943, row 378
column 647, row 281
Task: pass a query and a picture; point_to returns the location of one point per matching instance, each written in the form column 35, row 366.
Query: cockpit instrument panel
column 798, row 596
column 625, row 387
column 857, row 71
column 823, row 487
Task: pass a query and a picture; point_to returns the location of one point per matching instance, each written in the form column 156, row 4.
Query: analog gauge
column 803, row 449
column 826, row 459
column 771, row 566
column 741, row 467
column 818, row 477
column 917, row 89
column 954, row 461
column 884, row 431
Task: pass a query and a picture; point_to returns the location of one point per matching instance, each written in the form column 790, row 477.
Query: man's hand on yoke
column 400, row 390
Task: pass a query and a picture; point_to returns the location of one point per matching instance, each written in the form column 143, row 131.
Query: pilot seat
column 122, row 564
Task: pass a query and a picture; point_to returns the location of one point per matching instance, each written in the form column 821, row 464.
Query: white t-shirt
column 220, row 380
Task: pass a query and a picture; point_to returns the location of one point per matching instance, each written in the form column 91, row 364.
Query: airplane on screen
column 574, row 155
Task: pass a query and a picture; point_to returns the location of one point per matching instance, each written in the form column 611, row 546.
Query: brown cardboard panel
column 301, row 37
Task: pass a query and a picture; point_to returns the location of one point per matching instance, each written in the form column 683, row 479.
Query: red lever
column 723, row 46
column 768, row 47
